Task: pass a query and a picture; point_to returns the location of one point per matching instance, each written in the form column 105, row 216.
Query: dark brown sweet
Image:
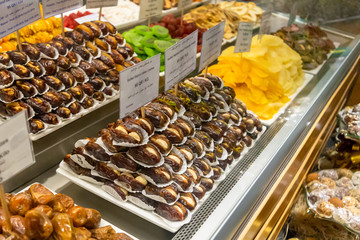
column 144, row 123
column 102, row 26
column 88, row 68
column 123, row 132
column 39, row 105
column 75, row 107
column 204, row 137
column 196, row 145
column 27, row 89
column 85, row 31
column 98, row 96
column 237, row 150
column 49, row 66
column 174, row 134
column 88, row 89
column 169, row 193
column 78, row 74
column 68, row 42
column 161, row 142
column 121, row 192
column 118, row 58
column 213, row 130
column 66, row 97
column 132, row 181
column 111, row 41
column 107, row 139
column 98, row 152
column 174, row 162
column 82, row 51
column 100, row 66
column 128, row 64
column 121, row 160
column 123, row 52
column 76, row 92
column 223, row 164
column 60, row 46
column 107, row 59
column 193, row 175
column 247, row 140
column 203, row 83
column 111, row 28
column 39, row 84
column 160, row 175
column 210, row 156
column 66, row 78
column 146, row 154
column 53, row 82
column 76, row 36
column 119, row 38
column 199, row 191
column 112, row 76
column 208, row 183
column 217, row 173
column 31, row 50
column 158, row 119
column 97, row 83
column 18, row 57
column 195, row 118
column 183, row 181
column 185, row 126
column 88, row 102
column 21, row 71
column 4, row 58
column 94, row 28
column 53, row 98
column 107, row 172
column 46, row 49
column 129, row 49
column 186, row 153
column 35, row 68
column 72, row 57
column 14, row 108
column 49, row 118
column 218, row 150
column 188, row 200
column 9, row 94
column 168, row 110
column 176, row 212
column 224, row 117
column 63, row 62
column 92, row 48
column 108, row 91
column 101, row 44
column 36, row 125
column 136, row 59
column 213, row 78
column 203, row 166
column 63, row 112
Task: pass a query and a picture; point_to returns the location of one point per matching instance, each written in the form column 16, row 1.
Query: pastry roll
column 159, row 175
column 107, row 172
column 131, row 182
column 193, row 174
column 46, row 49
column 49, row 118
column 176, row 212
column 169, row 194
column 174, row 134
column 94, row 28
column 122, row 161
column 199, row 191
column 188, row 200
column 53, row 82
column 146, row 154
column 98, row 152
column 174, row 162
column 183, row 181
column 161, row 142
column 208, row 183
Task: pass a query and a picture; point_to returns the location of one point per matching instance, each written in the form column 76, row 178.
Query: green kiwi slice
column 139, row 50
column 142, row 29
column 150, row 51
column 162, row 45
column 160, row 31
column 148, row 41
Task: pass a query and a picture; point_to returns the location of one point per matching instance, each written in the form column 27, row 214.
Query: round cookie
column 350, row 201
column 336, row 202
column 312, row 176
column 343, row 172
column 328, row 182
column 325, row 209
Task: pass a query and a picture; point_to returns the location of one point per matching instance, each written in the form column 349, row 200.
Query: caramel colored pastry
column 183, row 181
column 66, row 97
column 21, row 71
column 36, row 125
column 169, row 193
column 94, row 51
column 203, row 166
column 325, row 208
column 85, row 31
column 161, row 142
column 39, row 105
column 124, row 132
column 53, row 98
column 5, row 78
column 63, row 226
column 78, row 74
column 53, row 82
column 82, row 51
column 63, row 112
column 4, row 58
column 49, row 66
column 128, row 64
column 160, row 175
column 176, row 212
column 9, row 94
column 111, row 41
column 18, row 57
column 100, row 66
column 188, row 200
column 76, row 92
column 88, row 102
column 186, row 153
column 336, row 202
column 312, row 176
column 74, row 59
column 132, row 182
column 20, row 204
column 35, row 68
column 118, row 58
column 102, row 26
column 38, row 225
column 199, row 191
column 63, row 62
column 59, row 46
column 94, row 28
column 14, row 108
column 101, row 44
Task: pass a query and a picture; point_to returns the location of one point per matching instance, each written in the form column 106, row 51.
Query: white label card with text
column 184, row 3
column 15, row 147
column 16, row 14
column 211, row 45
column 149, row 8
column 55, row 7
column 139, row 85
column 244, row 37
column 265, row 23
column 101, row 3
column 180, row 60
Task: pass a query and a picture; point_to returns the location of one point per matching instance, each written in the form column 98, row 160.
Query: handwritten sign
column 149, row 8
column 139, row 85
column 211, row 45
column 15, row 147
column 244, row 37
column 101, row 3
column 265, row 23
column 55, row 7
column 184, row 3
column 16, row 14
column 180, row 60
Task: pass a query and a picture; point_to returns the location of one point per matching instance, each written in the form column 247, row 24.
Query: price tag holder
column 15, row 146
column 55, row 7
column 139, row 85
column 244, row 37
column 184, row 3
column 180, row 60
column 101, row 3
column 149, row 8
column 265, row 23
column 16, row 14
column 89, row 18
column 211, row 45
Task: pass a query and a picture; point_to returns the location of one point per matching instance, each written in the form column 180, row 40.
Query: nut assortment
column 37, row 213
column 166, row 160
column 62, row 78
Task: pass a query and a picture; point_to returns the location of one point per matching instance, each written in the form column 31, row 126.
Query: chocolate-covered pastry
column 223, row 164
column 30, row 50
column 236, row 131
column 128, row 64
column 49, row 66
column 142, row 201
column 111, row 41
column 203, row 166
column 174, row 134
column 53, row 98
column 18, row 57
column 98, row 152
column 176, row 212
column 200, row 109
column 4, row 58
column 88, row 102
column 46, row 49
column 247, row 140
column 185, row 126
column 239, row 106
column 63, row 62
column 158, row 119
column 27, row 89
column 195, row 118
column 121, row 160
column 35, row 68
column 63, row 112
column 88, row 89
column 36, row 125
column 188, row 200
column 211, row 157
column 199, row 191
column 146, row 154
column 183, row 181
column 107, row 59
column 237, row 150
column 203, row 82
column 208, row 183
column 66, row 78
column 254, row 134
column 193, row 175
column 39, row 105
column 218, row 150
column 204, row 137
column 9, row 94
column 92, row 48
column 68, row 42
column 49, row 118
column 107, row 139
column 76, row 168
column 121, row 192
column 60, row 47
column 107, row 172
column 160, row 175
column 53, row 82
column 123, row 52
column 14, row 108
column 169, row 193
column 100, row 66
column 97, row 83
column 228, row 143
column 217, row 173
column 118, row 58
column 216, row 81
column 129, row 49
column 85, row 31
column 94, row 28
column 119, row 38
column 65, row 97
column 78, row 74
column 191, row 90
column 77, row 92
column 161, row 142
column 75, row 107
column 102, row 26
column 88, row 68
column 82, row 51
column 98, row 96
column 174, row 162
column 169, row 100
column 229, row 159
column 132, row 182
column 21, row 71
column 169, row 111
column 196, row 145
column 186, row 153
column 108, row 91
column 224, row 117
column 214, row 129
column 73, row 57
column 136, row 59
column 124, row 132
column 144, row 123
column 101, row 44
column 5, row 77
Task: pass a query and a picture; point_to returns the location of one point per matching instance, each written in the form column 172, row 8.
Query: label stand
column 62, row 25
column 182, row 15
column 100, row 13
column 142, row 110
column 149, row 18
column 176, row 89
column 206, row 70
column 5, row 208
column 18, row 40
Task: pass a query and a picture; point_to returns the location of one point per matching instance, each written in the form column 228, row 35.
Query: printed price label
column 149, row 8
column 16, row 14
column 139, row 85
column 15, row 147
column 180, row 60
column 101, row 3
column 184, row 3
column 89, row 18
column 55, row 7
column 244, row 37
column 211, row 45
column 265, row 23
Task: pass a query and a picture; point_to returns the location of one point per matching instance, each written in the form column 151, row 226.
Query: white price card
column 149, row 8
column 139, row 85
column 101, row 3
column 16, row 14
column 244, row 37
column 184, row 3
column 15, row 146
column 211, row 45
column 55, row 7
column 180, row 60
column 265, row 23
column 89, row 18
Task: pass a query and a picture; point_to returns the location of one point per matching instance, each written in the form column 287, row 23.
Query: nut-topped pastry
column 147, row 154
